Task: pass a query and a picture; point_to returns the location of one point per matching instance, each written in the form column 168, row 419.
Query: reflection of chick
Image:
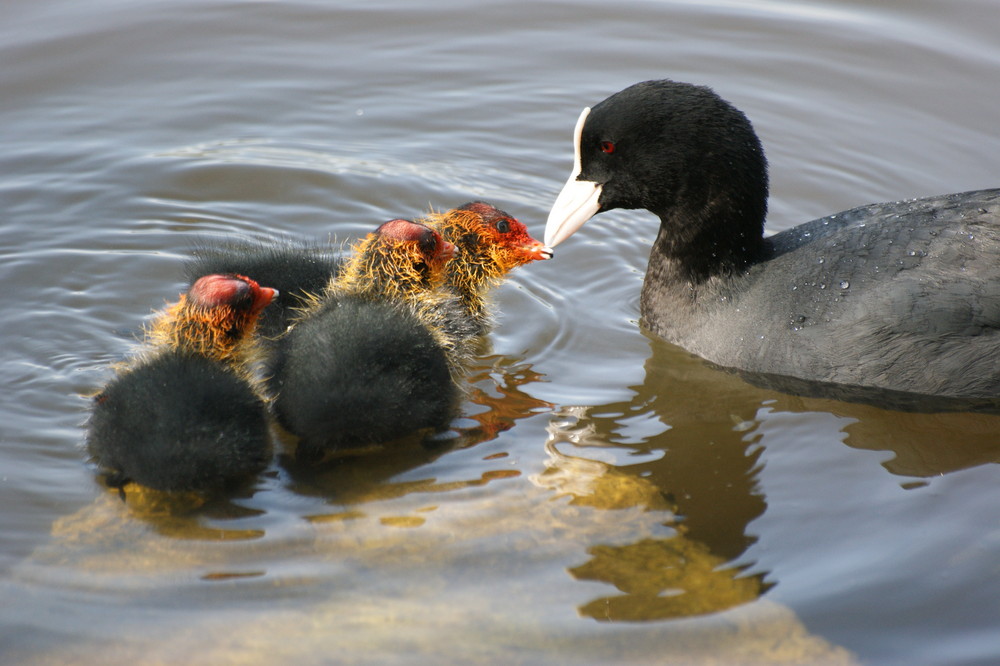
column 184, row 414
column 491, row 243
column 371, row 358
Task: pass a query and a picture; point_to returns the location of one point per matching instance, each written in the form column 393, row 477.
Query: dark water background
column 611, row 499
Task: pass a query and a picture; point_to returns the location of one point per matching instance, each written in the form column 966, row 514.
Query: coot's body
column 870, row 317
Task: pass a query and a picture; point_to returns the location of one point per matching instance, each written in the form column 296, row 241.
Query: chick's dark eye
column 607, row 147
column 503, row 226
column 428, row 244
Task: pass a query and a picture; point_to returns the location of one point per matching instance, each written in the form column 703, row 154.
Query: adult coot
column 900, row 296
column 184, row 414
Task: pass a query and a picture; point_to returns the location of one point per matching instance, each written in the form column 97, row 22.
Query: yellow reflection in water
column 662, row 579
column 178, row 514
column 596, row 484
column 424, row 566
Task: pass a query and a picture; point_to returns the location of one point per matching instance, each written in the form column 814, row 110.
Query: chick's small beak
column 449, row 251
column 537, row 251
column 264, row 297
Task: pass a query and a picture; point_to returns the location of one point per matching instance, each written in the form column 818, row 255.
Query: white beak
column 577, row 202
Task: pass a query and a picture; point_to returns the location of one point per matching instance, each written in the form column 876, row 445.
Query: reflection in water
column 104, row 539
column 930, row 436
column 181, row 515
column 496, row 402
column 495, row 385
column 663, row 579
column 925, row 445
column 346, row 571
column 593, row 483
column 703, row 464
column 705, row 461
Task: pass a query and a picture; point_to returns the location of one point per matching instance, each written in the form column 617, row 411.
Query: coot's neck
column 694, row 261
column 714, row 240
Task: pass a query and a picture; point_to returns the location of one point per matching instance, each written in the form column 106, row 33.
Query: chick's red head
column 418, row 239
column 236, row 292
column 507, row 234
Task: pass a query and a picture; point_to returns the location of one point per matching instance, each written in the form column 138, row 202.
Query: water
column 611, row 499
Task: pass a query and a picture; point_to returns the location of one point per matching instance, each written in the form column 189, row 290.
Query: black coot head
column 658, row 140
column 675, row 149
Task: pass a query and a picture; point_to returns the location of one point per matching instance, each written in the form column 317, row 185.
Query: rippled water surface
column 609, row 498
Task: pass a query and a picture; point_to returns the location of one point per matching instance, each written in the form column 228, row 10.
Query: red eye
column 607, row 147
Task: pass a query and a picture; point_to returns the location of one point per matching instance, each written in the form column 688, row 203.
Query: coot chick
column 184, row 414
column 371, row 359
column 295, row 268
column 408, row 262
column 491, row 243
column 898, row 296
